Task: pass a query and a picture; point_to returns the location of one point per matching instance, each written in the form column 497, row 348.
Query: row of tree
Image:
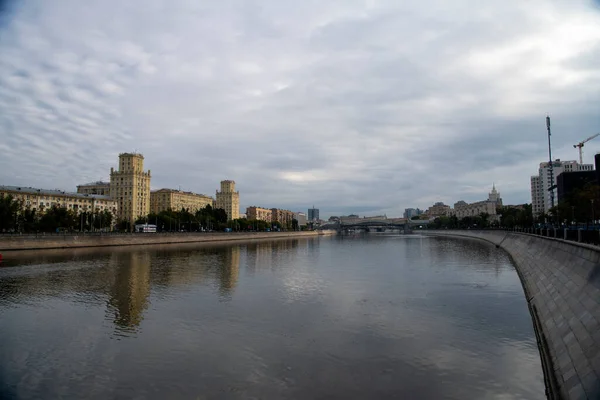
column 510, row 217
column 207, row 218
column 15, row 218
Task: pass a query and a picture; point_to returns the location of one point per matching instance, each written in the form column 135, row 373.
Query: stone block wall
column 562, row 283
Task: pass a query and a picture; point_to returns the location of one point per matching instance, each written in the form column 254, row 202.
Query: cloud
column 353, row 106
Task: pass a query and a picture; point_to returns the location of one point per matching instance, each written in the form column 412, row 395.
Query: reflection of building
column 259, row 214
column 131, row 288
column 540, row 184
column 99, row 187
column 165, row 199
column 130, row 187
column 230, row 269
column 42, row 199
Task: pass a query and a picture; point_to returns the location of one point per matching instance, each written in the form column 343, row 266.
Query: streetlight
column 572, row 214
column 593, row 216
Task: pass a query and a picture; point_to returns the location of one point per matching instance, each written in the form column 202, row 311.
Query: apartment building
column 228, row 199
column 284, row 217
column 98, row 187
column 130, row 187
column 171, row 199
column 541, row 183
column 41, row 200
column 259, row 213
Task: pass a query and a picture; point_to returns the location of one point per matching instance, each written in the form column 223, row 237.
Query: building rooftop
column 97, row 183
column 49, row 192
column 165, row 190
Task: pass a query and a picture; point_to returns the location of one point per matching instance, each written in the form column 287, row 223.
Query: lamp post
column 593, row 216
column 572, row 214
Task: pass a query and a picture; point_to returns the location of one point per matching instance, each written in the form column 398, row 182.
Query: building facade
column 41, row 200
column 99, row 187
column 284, row 217
column 569, row 182
column 228, row 199
column 463, row 209
column 171, row 199
column 437, row 210
column 259, row 214
column 301, row 218
column 130, row 187
column 412, row 212
column 540, row 187
column 313, row 214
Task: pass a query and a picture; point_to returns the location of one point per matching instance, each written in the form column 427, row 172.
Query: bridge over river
column 369, row 223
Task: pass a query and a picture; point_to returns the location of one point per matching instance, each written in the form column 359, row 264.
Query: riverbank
column 561, row 281
column 44, row 242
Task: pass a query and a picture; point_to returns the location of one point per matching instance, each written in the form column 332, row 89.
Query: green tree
column 9, row 210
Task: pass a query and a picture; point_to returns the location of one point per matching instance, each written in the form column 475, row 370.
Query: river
column 371, row 316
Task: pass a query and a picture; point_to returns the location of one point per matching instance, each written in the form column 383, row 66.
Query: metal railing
column 581, row 235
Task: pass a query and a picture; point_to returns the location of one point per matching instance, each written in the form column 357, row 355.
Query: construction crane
column 580, row 145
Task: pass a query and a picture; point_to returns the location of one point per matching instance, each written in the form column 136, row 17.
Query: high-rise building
column 412, row 212
column 165, row 199
column 228, row 199
column 540, row 187
column 313, row 214
column 130, row 187
column 99, row 187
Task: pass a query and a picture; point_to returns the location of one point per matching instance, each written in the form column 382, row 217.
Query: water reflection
column 130, row 290
column 367, row 317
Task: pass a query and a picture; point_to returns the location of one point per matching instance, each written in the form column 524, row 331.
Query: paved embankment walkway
column 562, row 284
column 33, row 242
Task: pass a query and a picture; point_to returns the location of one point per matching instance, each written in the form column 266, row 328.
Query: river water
column 366, row 317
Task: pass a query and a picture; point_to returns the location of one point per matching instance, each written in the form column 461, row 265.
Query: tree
column 9, row 210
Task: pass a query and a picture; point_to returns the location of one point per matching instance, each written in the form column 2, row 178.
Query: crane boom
column 580, row 145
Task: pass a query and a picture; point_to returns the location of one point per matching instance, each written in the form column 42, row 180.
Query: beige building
column 259, row 213
column 130, row 187
column 284, row 217
column 463, row 209
column 99, row 187
column 228, row 199
column 165, row 199
column 437, row 210
column 41, row 199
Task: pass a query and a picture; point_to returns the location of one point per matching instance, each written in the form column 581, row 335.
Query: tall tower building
column 229, row 200
column 542, row 183
column 313, row 214
column 130, row 187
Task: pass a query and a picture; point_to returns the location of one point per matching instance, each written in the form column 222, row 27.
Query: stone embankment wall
column 562, row 284
column 32, row 242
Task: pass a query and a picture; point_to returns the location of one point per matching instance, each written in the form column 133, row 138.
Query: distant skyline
column 364, row 107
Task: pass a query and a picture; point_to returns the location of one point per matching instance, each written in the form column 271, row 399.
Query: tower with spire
column 494, row 196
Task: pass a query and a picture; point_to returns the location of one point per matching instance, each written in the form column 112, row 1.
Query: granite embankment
column 562, row 283
column 38, row 242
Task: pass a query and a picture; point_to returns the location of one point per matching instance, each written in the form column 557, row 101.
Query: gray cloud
column 364, row 107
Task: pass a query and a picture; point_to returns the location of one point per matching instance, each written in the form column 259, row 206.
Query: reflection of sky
column 415, row 318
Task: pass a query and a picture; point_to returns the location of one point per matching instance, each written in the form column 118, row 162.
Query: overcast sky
column 363, row 107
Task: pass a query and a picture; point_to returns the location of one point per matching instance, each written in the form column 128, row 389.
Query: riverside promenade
column 68, row 241
column 561, row 280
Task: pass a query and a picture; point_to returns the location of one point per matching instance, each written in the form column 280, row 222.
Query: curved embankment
column 562, row 283
column 31, row 242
